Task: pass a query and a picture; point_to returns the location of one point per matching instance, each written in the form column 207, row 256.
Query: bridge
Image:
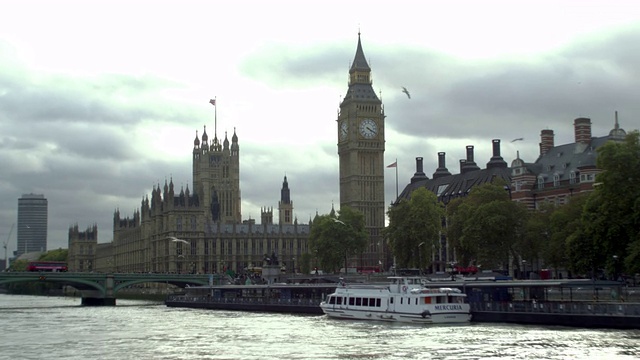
column 100, row 289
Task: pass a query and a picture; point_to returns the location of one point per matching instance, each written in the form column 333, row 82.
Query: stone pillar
column 271, row 273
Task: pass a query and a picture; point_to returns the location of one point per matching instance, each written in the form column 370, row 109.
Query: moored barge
column 300, row 298
column 566, row 302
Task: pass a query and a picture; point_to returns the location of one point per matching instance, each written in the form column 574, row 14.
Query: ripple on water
column 59, row 328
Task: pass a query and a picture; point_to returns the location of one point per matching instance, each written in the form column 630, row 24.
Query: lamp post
column 451, row 266
column 615, row 267
column 524, row 269
column 420, row 257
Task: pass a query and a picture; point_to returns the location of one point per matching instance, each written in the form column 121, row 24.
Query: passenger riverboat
column 404, row 300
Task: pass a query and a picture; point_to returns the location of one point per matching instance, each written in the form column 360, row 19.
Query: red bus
column 53, row 266
column 368, row 269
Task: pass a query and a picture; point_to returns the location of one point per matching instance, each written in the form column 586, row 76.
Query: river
column 59, row 328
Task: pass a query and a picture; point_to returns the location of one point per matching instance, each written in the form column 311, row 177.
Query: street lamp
column 451, row 265
column 615, row 267
column 420, row 257
column 524, row 269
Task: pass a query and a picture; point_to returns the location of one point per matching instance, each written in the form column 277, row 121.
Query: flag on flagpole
column 395, row 164
column 212, row 102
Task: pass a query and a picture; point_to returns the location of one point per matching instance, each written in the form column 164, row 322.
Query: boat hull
column 413, row 318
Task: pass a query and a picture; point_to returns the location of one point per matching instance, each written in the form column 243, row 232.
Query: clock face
column 368, row 128
column 344, row 130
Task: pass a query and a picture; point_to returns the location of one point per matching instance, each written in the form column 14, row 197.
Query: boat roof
column 566, row 283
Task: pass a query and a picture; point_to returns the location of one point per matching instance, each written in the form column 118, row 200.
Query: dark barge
column 294, row 298
column 571, row 302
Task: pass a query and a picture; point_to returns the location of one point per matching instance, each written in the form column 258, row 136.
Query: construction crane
column 4, row 245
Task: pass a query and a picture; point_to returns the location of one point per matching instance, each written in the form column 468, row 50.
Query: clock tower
column 361, row 153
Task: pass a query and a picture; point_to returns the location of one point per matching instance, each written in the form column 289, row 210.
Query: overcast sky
column 101, row 100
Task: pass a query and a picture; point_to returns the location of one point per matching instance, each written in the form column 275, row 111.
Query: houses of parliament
column 200, row 229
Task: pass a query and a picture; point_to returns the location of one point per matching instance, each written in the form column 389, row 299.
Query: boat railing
column 366, row 286
column 560, row 307
column 241, row 300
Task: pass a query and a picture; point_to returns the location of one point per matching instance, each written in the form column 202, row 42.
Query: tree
column 566, row 223
column 414, row 228
column 537, row 233
column 487, row 226
column 334, row 239
column 612, row 213
column 55, row 255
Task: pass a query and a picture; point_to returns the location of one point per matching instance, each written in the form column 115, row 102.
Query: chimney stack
column 469, row 164
column 582, row 128
column 546, row 141
column 442, row 168
column 496, row 159
column 419, row 175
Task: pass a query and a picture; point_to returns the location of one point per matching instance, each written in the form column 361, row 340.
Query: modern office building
column 32, row 224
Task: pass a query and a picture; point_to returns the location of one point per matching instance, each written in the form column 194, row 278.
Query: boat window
column 365, row 302
column 427, row 300
column 358, row 301
column 378, row 302
column 351, row 301
column 332, row 300
column 372, row 302
column 339, row 300
column 391, row 301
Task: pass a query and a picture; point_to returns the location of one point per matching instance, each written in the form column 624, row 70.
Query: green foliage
column 55, row 255
column 537, row 234
column 334, row 239
column 414, row 228
column 565, row 231
column 304, row 263
column 612, row 214
column 486, row 227
column 19, row 265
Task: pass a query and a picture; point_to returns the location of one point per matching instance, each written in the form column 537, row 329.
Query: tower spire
column 215, row 117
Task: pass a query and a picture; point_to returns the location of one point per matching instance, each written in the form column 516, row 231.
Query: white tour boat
column 406, row 299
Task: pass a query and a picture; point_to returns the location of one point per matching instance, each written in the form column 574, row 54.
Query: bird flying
column 175, row 239
column 338, row 221
column 518, row 139
column 404, row 90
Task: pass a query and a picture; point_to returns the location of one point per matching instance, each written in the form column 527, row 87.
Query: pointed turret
column 617, row 133
column 225, row 143
column 285, row 206
column 359, row 61
column 205, row 137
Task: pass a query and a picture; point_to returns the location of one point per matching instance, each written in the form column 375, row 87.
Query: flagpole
column 396, row 179
column 215, row 117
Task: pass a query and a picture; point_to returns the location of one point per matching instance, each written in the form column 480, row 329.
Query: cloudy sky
column 101, row 100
